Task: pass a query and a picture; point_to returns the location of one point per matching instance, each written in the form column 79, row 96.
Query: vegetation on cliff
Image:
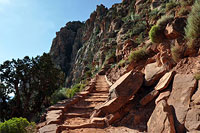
column 192, row 29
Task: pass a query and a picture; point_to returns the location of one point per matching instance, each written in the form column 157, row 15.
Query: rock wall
column 81, row 47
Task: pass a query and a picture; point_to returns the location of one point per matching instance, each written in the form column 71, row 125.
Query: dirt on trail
column 79, row 114
column 76, row 119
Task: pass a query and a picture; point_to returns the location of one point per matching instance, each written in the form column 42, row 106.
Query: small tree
column 32, row 81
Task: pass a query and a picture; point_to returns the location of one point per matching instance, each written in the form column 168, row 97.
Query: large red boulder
column 184, row 86
column 161, row 120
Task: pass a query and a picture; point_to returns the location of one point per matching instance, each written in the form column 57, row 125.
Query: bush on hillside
column 17, row 125
column 138, row 55
column 172, row 4
column 183, row 12
column 185, row 3
column 58, row 95
column 76, row 88
column 176, row 53
column 192, row 29
column 154, row 34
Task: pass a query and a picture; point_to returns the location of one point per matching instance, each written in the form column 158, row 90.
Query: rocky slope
column 154, row 81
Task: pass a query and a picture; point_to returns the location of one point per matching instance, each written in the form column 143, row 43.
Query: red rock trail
column 78, row 116
column 75, row 118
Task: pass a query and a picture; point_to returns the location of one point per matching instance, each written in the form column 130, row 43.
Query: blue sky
column 27, row 27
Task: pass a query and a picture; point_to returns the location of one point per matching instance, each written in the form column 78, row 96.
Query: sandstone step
column 76, row 120
column 57, row 107
column 52, row 128
column 95, row 100
column 102, row 88
column 98, row 94
column 78, row 110
column 101, row 91
column 97, row 97
column 54, row 112
column 85, row 125
column 70, row 115
column 103, row 82
column 89, row 104
column 82, row 107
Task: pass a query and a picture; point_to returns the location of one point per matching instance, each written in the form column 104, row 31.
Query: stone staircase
column 68, row 116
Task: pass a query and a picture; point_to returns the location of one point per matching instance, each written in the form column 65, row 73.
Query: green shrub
column 17, row 125
column 176, row 53
column 137, row 55
column 138, row 28
column 131, row 17
column 185, row 3
column 183, row 12
column 76, row 88
column 154, row 34
column 153, row 14
column 192, row 29
column 140, row 38
column 58, row 95
column 171, row 5
column 197, row 76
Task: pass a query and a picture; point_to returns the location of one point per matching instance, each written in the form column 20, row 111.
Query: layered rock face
column 75, row 45
column 66, row 45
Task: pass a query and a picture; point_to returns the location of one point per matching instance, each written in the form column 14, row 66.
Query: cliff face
column 66, row 45
column 81, row 48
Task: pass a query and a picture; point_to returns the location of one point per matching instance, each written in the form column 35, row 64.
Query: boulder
column 149, row 97
column 161, row 120
column 54, row 117
column 98, row 120
column 163, row 96
column 153, row 73
column 112, row 106
column 179, row 24
column 192, row 121
column 170, row 32
column 176, row 28
column 111, row 118
column 127, row 85
column 182, row 90
column 52, row 128
column 164, row 81
column 196, row 95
